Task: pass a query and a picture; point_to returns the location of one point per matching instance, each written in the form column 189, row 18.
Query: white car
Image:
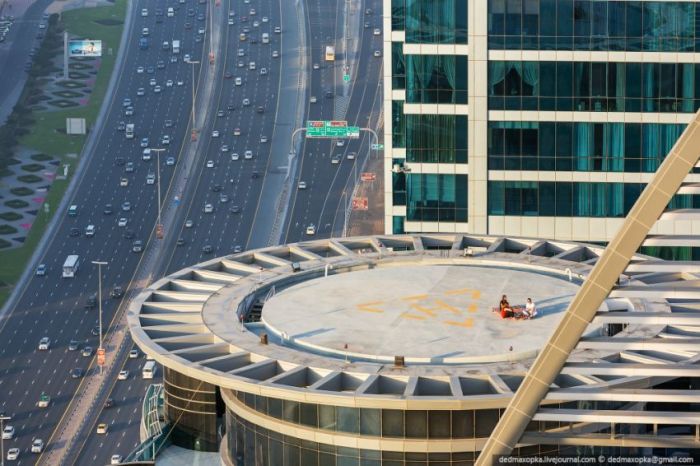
column 151, row 178
column 115, row 459
column 122, row 222
column 215, row 133
column 123, row 182
column 311, row 230
column 90, row 231
column 152, row 82
column 263, row 139
column 170, row 161
column 157, row 89
column 140, row 91
column 265, row 19
column 8, row 432
column 37, row 445
column 278, row 30
column 238, row 81
column 248, row 154
column 144, row 12
column 133, row 354
column 123, row 375
column 316, row 66
column 169, row 83
column 102, row 427
column 224, row 148
column 165, row 140
column 377, row 53
column 208, row 208
column 210, row 164
column 246, row 102
column 251, row 65
column 139, row 69
column 235, row 156
column 144, row 142
column 377, row 31
column 302, row 185
column 186, row 57
column 44, row 344
column 263, row 71
column 189, row 224
column 12, row 454
column 313, row 99
column 237, row 131
column 275, row 54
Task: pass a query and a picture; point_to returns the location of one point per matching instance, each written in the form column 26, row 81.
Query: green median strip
column 47, row 133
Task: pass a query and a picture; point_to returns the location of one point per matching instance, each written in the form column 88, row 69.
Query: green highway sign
column 331, row 129
column 346, row 77
column 377, row 146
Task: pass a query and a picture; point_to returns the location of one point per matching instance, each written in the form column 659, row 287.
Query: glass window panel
column 370, row 421
column 309, row 414
column 439, row 424
column 348, row 419
column 392, row 423
column 416, row 424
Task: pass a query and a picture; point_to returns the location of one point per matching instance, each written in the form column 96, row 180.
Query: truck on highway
column 70, row 266
column 176, row 46
column 330, row 53
column 143, row 43
column 129, row 131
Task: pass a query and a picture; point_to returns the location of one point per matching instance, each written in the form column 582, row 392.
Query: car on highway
column 144, row 12
column 109, row 402
column 207, row 249
column 91, row 301
column 165, row 140
column 37, row 445
column 220, row 113
column 76, row 373
column 251, row 65
column 265, row 19
column 248, row 154
column 108, row 209
column 87, row 352
column 40, row 270
column 123, row 182
column 137, row 246
column 237, row 248
column 44, row 344
column 90, row 231
column 44, row 400
column 210, row 164
column 311, row 229
column 129, row 234
column 129, row 111
column 215, row 133
column 235, row 209
column 263, row 139
column 238, row 81
column 367, row 24
column 260, row 109
column 12, row 454
column 170, row 161
column 228, row 75
column 126, row 102
column 95, row 331
column 240, row 64
column 335, row 159
column 352, row 155
column 329, row 94
column 275, row 54
column 246, row 102
column 316, row 66
column 160, row 64
column 152, row 82
column 224, row 148
column 141, row 91
column 151, row 178
column 169, row 83
column 126, row 206
column 157, row 89
column 180, row 241
column 340, row 142
column 223, row 198
column 140, row 69
column 8, row 432
column 208, row 208
column 189, row 223
column 145, row 32
column 255, row 175
column 74, row 345
column 123, row 374
column 278, row 30
column 144, row 142
column 230, row 107
column 216, row 188
column 116, row 293
column 301, row 185
column 231, row 22
column 313, row 99
column 168, row 123
column 121, row 126
column 129, row 167
column 102, row 428
column 377, row 31
column 235, row 156
column 115, row 459
column 263, row 71
column 377, row 53
column 236, row 131
column 133, row 354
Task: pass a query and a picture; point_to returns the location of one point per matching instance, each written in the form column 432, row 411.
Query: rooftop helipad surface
column 430, row 314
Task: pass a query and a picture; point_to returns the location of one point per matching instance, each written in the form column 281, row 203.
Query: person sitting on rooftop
column 530, row 310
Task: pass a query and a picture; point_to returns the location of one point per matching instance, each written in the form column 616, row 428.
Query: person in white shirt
column 530, row 309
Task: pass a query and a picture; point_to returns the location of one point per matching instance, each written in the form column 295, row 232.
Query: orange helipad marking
column 369, row 307
column 467, row 323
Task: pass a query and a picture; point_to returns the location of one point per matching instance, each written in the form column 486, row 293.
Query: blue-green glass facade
column 659, row 26
column 570, row 199
column 436, row 79
column 577, row 146
column 431, row 21
column 436, row 198
column 594, row 86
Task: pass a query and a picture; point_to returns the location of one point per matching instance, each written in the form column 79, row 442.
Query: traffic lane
column 226, row 230
column 61, row 254
column 333, row 182
column 123, row 418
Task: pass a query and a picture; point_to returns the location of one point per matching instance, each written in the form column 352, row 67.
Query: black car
column 91, row 301
column 119, row 161
column 230, row 107
column 181, row 241
column 109, row 402
column 121, row 126
column 76, row 373
column 95, row 331
column 260, row 109
column 117, row 292
column 74, row 232
column 129, row 234
column 255, row 175
column 216, row 188
column 207, row 249
column 108, row 209
column 329, row 95
column 74, row 345
column 235, row 210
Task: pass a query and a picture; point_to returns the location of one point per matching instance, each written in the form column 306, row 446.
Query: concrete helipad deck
column 424, row 313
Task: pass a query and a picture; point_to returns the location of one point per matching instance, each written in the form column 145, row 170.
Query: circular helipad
column 428, row 314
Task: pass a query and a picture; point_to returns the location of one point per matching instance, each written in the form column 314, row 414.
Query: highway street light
column 2, row 441
column 100, row 349
column 194, row 124
column 159, row 224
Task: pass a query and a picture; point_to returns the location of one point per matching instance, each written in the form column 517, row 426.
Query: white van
column 171, row 12
column 149, row 370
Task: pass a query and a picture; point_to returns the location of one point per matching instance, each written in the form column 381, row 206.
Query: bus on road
column 330, row 53
column 70, row 266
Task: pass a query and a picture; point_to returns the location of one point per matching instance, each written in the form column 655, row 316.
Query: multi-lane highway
column 230, row 184
column 329, row 185
column 55, row 307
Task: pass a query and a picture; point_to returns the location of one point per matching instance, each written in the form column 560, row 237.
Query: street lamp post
column 194, row 120
column 159, row 225
column 100, row 349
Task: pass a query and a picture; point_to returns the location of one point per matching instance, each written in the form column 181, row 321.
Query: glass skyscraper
column 540, row 118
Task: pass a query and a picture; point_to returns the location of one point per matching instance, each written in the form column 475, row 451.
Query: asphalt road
column 221, row 229
column 55, row 307
column 14, row 53
column 329, row 186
